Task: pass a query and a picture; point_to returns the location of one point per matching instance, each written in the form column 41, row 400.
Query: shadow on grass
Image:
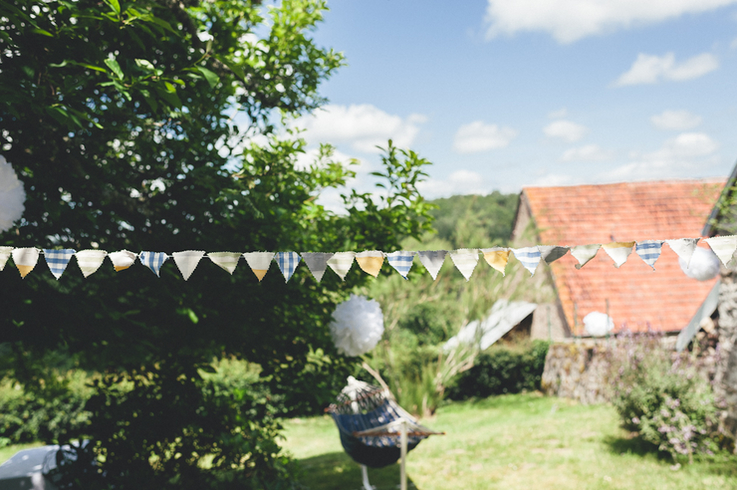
column 337, row 471
column 634, row 445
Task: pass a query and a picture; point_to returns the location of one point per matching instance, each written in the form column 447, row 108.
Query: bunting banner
column 433, row 261
column 57, row 260
column 287, row 262
column 723, row 247
column 370, row 261
column 317, row 263
column 529, row 257
column 401, row 261
column 4, row 256
column 122, row 259
column 227, row 261
column 90, row 260
column 551, row 253
column 465, row 260
column 497, row 258
column 584, row 253
column 259, row 262
column 341, row 263
column 618, row 251
column 187, row 261
column 683, row 247
column 25, row 260
column 153, row 260
column 649, row 251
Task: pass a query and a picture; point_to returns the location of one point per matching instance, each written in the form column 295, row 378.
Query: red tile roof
column 665, row 299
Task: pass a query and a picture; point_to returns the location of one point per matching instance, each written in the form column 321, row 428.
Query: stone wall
column 725, row 376
column 577, row 369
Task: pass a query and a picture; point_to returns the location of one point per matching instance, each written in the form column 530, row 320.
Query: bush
column 503, row 369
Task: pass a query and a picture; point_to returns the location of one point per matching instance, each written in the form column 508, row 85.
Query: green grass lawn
column 512, row 442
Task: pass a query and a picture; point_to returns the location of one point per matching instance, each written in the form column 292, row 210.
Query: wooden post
column 403, row 468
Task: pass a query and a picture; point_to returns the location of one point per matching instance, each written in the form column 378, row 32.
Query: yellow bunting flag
column 259, row 262
column 370, row 261
column 25, row 259
column 618, row 251
column 122, row 259
column 497, row 257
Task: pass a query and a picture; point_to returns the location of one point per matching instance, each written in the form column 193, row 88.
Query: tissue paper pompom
column 704, row 265
column 598, row 324
column 357, row 325
column 12, row 196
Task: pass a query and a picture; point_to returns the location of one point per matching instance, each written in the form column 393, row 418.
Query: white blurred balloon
column 357, row 325
column 704, row 264
column 598, row 324
column 12, row 196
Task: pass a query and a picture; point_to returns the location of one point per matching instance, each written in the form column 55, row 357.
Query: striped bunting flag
column 287, row 262
column 401, row 261
column 187, row 261
column 4, row 255
column 370, row 261
column 618, row 251
column 529, row 257
column 57, row 260
column 90, row 260
column 465, row 260
column 649, row 251
column 317, row 263
column 153, row 260
column 25, row 259
column 122, row 259
column 259, row 262
column 723, row 247
column 227, row 261
column 584, row 253
column 683, row 247
column 341, row 263
column 497, row 258
column 551, row 253
column 432, row 260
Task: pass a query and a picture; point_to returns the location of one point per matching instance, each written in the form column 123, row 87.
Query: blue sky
column 501, row 94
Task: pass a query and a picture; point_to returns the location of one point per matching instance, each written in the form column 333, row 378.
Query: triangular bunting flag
column 259, row 262
column 723, row 247
column 187, row 261
column 90, row 260
column 341, row 263
column 584, row 253
column 370, row 261
column 551, row 253
column 225, row 260
column 401, row 261
column 316, row 262
column 684, row 247
column 4, row 254
column 465, row 260
column 497, row 257
column 618, row 251
column 153, row 260
column 529, row 257
column 287, row 262
column 25, row 259
column 432, row 260
column 649, row 251
column 57, row 260
column 122, row 259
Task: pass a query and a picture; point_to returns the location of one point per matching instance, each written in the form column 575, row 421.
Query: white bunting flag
column 465, row 260
column 153, row 260
column 122, row 259
column 317, row 263
column 370, row 261
column 287, row 262
column 551, row 253
column 497, row 258
column 401, row 261
column 57, row 260
column 618, row 251
column 723, row 247
column 90, row 260
column 4, row 255
column 529, row 257
column 649, row 251
column 584, row 253
column 25, row 259
column 227, row 261
column 432, row 260
column 259, row 262
column 684, row 247
column 341, row 263
column 187, row 261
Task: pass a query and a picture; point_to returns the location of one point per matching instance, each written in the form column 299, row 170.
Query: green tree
column 133, row 126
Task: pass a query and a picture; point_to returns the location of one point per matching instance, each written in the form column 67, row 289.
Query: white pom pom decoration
column 598, row 324
column 12, row 196
column 357, row 325
column 704, row 265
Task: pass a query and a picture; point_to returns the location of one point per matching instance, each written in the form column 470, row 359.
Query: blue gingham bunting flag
column 58, row 260
column 529, row 257
column 287, row 262
column 649, row 251
column 153, row 260
column 401, row 261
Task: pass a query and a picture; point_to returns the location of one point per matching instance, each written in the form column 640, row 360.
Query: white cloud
column 459, row 182
column 554, row 180
column 478, row 136
column 587, row 153
column 565, row 130
column 361, row 126
column 675, row 120
column 649, row 69
column 559, row 114
column 570, row 20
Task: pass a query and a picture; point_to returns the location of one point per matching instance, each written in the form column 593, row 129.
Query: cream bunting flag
column 529, row 257
column 551, row 253
column 122, row 259
column 683, row 247
column 401, row 261
column 259, row 262
column 723, row 247
column 497, row 257
column 4, row 255
column 287, row 262
column 432, row 260
column 57, row 260
column 341, row 263
column 465, row 260
column 649, row 251
column 25, row 259
column 618, row 251
column 90, row 260
column 370, row 261
column 584, row 253
column 317, row 263
column 153, row 260
column 187, row 261
column 227, row 261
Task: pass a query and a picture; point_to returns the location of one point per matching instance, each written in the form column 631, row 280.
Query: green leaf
column 211, row 77
column 145, row 64
column 43, row 32
column 115, row 67
column 115, row 5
